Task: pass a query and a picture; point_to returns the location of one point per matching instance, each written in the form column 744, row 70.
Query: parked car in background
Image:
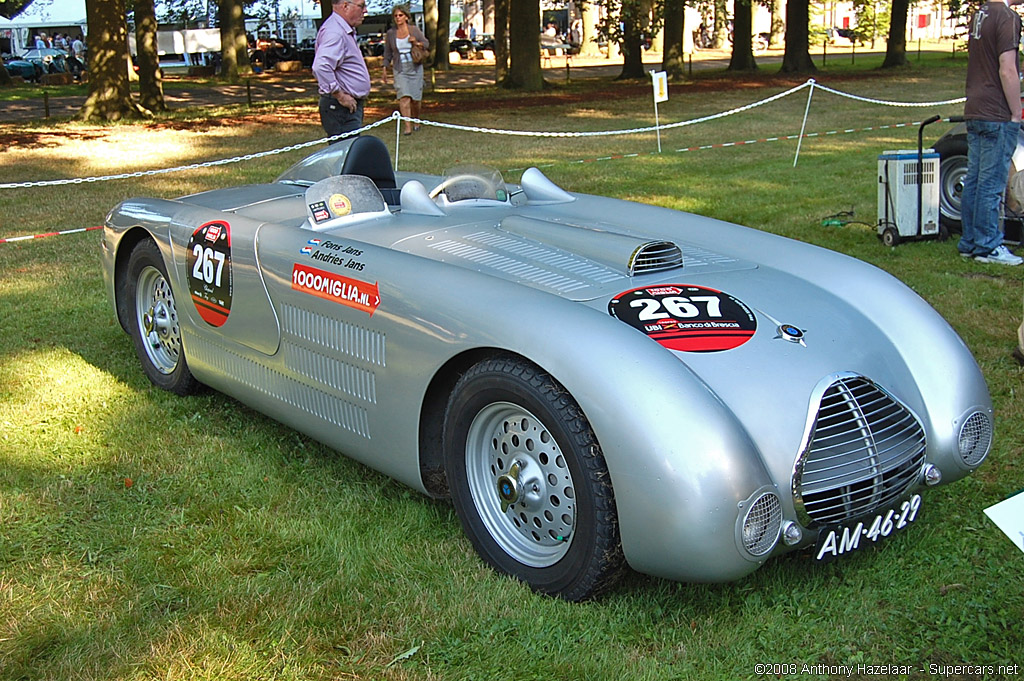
column 23, row 68
column 50, row 59
column 371, row 44
column 952, row 151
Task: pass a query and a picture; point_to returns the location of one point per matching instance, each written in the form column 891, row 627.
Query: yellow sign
column 660, row 81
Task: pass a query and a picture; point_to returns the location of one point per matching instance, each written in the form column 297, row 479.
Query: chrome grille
column 865, row 450
column 656, row 256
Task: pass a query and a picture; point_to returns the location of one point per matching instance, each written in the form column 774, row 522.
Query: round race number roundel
column 686, row 318
column 209, row 271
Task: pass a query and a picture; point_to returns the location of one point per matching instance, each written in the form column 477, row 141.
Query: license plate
column 838, row 540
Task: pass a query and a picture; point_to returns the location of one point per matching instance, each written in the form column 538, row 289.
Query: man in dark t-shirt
column 993, row 113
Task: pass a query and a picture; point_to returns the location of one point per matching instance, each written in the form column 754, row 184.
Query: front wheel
column 153, row 321
column 529, row 481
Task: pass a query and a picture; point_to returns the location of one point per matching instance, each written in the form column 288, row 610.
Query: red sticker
column 330, row 286
column 686, row 318
column 209, row 271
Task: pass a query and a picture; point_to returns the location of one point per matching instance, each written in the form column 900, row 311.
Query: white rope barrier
column 868, row 100
column 399, row 119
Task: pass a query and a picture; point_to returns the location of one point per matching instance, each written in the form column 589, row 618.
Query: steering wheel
column 463, row 178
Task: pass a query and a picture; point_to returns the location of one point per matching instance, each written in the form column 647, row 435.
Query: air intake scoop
column 628, row 255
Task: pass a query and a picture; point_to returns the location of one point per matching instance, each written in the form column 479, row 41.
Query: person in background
column 340, row 69
column 408, row 76
column 460, row 32
column 993, row 115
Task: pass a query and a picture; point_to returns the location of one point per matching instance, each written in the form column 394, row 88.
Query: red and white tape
column 11, row 240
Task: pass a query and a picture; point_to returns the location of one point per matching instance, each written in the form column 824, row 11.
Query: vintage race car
column 594, row 383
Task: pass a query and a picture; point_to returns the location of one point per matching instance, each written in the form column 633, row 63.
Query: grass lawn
column 146, row 536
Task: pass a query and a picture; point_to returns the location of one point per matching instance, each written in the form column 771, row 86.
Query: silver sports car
column 594, row 383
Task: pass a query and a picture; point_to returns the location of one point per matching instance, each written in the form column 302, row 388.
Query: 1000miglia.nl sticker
column 686, row 318
column 209, row 271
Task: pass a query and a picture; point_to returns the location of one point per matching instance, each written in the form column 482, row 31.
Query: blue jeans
column 336, row 119
column 990, row 146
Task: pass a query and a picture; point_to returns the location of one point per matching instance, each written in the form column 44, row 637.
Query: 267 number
column 209, row 265
column 676, row 306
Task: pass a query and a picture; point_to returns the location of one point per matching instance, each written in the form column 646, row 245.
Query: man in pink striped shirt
column 340, row 70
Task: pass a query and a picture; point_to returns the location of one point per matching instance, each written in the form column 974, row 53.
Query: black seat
column 369, row 156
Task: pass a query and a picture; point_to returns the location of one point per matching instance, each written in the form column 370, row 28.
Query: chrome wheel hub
column 158, row 320
column 521, row 484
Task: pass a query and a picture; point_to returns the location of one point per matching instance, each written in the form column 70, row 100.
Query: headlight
column 761, row 524
column 975, row 438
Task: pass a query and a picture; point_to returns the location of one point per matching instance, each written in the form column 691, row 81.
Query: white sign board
column 1009, row 517
column 660, row 81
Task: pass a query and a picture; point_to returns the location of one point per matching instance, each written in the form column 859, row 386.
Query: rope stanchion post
column 248, row 92
column 46, row 103
column 803, row 125
column 398, row 135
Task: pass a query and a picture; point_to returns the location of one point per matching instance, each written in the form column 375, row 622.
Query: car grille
column 656, row 256
column 865, row 450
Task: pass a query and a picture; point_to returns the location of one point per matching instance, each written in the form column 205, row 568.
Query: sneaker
column 1001, row 255
column 965, row 255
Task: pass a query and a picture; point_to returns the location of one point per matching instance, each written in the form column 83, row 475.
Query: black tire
column 529, row 481
column 153, row 321
column 890, row 237
column 952, row 168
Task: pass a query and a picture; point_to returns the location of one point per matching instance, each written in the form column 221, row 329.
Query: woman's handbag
column 419, row 54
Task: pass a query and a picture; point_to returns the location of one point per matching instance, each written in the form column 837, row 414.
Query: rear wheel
column 952, row 170
column 890, row 237
column 153, row 321
column 529, row 481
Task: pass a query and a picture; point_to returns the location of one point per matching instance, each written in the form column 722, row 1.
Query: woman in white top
column 398, row 55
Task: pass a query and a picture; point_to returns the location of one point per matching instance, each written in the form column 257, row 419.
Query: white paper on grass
column 1008, row 516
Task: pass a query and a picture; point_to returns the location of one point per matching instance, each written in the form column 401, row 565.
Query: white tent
column 49, row 16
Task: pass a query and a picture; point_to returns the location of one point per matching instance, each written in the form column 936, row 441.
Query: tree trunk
column 444, row 17
column 242, row 41
column 721, row 27
column 430, row 26
column 228, row 55
column 896, row 49
column 591, row 17
column 151, row 87
column 742, row 26
column 524, row 46
column 797, row 58
column 5, row 77
column 110, row 98
column 501, row 40
column 673, row 61
column 634, row 17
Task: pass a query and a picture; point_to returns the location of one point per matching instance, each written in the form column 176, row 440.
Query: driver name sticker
column 686, row 318
column 209, row 271
column 346, row 291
